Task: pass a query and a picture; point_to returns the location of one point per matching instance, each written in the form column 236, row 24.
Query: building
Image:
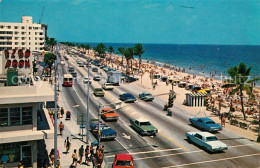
column 24, row 120
column 24, row 35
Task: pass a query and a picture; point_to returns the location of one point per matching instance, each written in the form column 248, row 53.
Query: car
column 205, row 123
column 146, row 96
column 81, row 64
column 108, row 114
column 86, row 80
column 78, row 61
column 143, row 127
column 105, row 131
column 98, row 92
column 88, row 64
column 96, row 78
column 206, row 141
column 74, row 74
column 103, row 66
column 71, row 69
column 130, row 79
column 94, row 69
column 123, row 161
column 107, row 86
column 127, row 97
column 62, row 63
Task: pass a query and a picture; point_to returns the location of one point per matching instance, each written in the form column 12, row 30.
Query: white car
column 206, row 141
column 86, row 80
column 108, row 86
column 97, row 78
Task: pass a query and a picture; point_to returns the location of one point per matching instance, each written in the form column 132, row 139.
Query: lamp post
column 55, row 114
column 258, row 138
column 87, row 126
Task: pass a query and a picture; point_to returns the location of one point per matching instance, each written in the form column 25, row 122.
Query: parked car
column 143, row 127
column 127, row 97
column 107, row 86
column 105, row 131
column 146, row 96
column 103, row 66
column 195, row 88
column 96, row 78
column 205, row 123
column 74, row 74
column 86, row 80
column 98, row 92
column 123, row 161
column 94, row 69
column 206, row 141
column 108, row 114
column 78, row 61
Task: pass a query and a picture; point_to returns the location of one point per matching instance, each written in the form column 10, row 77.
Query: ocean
column 202, row 59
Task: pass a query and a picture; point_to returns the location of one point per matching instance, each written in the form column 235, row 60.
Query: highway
column 170, row 147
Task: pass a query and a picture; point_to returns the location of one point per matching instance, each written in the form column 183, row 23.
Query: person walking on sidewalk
column 87, row 155
column 67, row 144
column 62, row 112
column 74, row 159
column 81, row 153
column 61, row 128
column 52, row 156
column 223, row 121
column 91, row 150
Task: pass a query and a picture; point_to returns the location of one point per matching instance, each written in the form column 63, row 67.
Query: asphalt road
column 169, row 148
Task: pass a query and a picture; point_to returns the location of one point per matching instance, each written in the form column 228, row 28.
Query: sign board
column 81, row 119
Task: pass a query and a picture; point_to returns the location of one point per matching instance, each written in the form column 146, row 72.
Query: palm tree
column 121, row 51
column 49, row 59
column 239, row 81
column 129, row 55
column 51, row 42
column 111, row 51
column 138, row 50
column 87, row 47
column 101, row 49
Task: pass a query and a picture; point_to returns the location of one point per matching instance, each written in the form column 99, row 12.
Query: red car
column 123, row 161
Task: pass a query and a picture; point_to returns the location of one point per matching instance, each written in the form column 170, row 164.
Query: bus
column 67, row 80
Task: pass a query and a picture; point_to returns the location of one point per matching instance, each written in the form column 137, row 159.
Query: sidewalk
column 71, row 130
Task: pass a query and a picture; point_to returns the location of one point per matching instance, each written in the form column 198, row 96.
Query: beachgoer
column 100, row 157
column 223, row 121
column 61, row 128
column 81, row 153
column 74, row 158
column 58, row 164
column 94, row 163
column 87, row 155
column 67, row 144
column 62, row 112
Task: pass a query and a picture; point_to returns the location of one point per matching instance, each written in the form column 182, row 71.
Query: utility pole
column 56, row 113
column 87, row 126
column 99, row 109
column 258, row 138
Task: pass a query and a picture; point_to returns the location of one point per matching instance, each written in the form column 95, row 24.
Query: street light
column 87, row 127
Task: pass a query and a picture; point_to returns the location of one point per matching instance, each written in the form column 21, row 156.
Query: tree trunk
column 122, row 62
column 126, row 66
column 242, row 102
column 132, row 66
column 140, row 61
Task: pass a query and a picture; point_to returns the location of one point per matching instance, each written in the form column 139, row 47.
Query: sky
column 231, row 22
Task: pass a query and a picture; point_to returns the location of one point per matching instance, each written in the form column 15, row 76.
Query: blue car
column 105, row 131
column 127, row 97
column 205, row 123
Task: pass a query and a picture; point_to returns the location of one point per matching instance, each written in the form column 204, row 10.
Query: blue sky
column 146, row 21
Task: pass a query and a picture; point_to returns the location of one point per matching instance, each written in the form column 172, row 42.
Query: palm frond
column 248, row 90
column 229, row 85
column 234, row 90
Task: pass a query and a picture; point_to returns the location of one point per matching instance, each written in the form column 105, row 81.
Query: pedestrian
column 87, row 155
column 81, row 153
column 91, row 150
column 58, row 164
column 61, row 127
column 223, row 121
column 52, row 156
column 21, row 164
column 94, row 163
column 74, row 158
column 67, row 144
column 62, row 112
column 100, row 157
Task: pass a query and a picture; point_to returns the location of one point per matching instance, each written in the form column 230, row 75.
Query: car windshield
column 145, row 123
column 98, row 89
column 86, row 79
column 148, row 94
column 212, row 138
column 210, row 122
column 124, row 163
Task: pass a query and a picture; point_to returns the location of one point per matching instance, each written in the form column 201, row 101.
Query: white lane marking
column 76, row 105
column 216, row 160
column 157, row 151
column 122, row 145
column 186, row 152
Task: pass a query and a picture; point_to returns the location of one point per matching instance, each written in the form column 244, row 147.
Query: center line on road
column 216, row 160
column 175, row 143
column 157, row 151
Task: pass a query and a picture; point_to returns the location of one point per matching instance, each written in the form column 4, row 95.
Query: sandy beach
column 218, row 94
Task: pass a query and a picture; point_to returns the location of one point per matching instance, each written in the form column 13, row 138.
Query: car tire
column 188, row 139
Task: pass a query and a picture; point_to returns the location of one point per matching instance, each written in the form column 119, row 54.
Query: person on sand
column 223, row 121
column 62, row 112
column 67, row 144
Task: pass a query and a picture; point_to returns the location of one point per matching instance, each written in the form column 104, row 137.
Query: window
column 23, row 32
column 29, row 43
column 26, row 115
column 16, row 32
column 35, row 38
column 16, row 38
column 29, row 33
column 15, row 116
column 3, row 117
column 29, row 38
column 35, row 33
column 30, row 28
column 35, row 43
column 23, row 43
column 198, row 136
column 15, row 27
column 16, row 43
column 22, row 27
column 23, row 38
column 1, row 26
column 9, row 27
